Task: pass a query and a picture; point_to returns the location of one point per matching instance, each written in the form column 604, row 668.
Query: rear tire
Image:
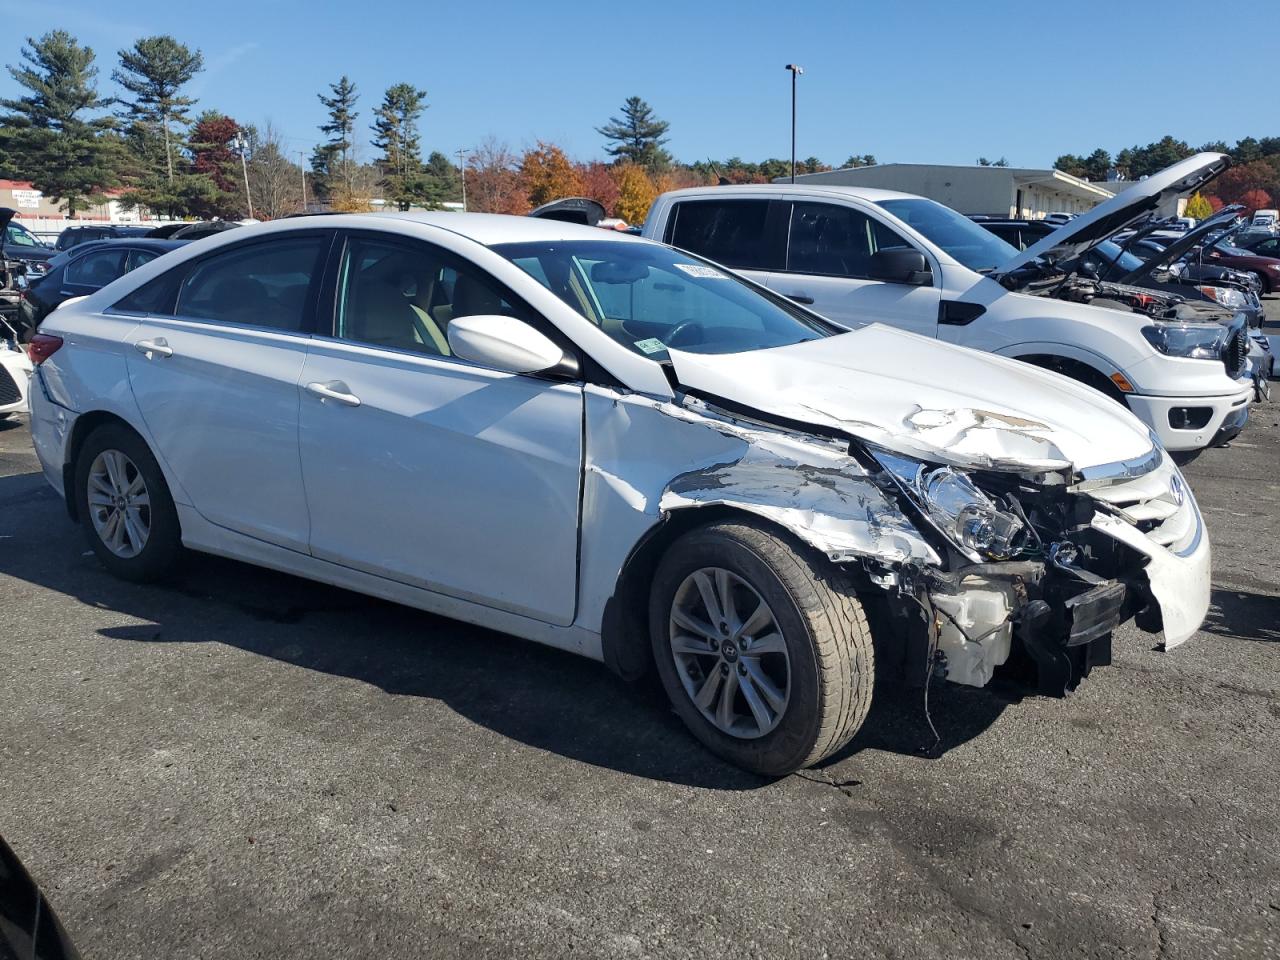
column 124, row 503
column 798, row 677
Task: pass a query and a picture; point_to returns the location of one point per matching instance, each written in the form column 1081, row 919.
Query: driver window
column 836, row 241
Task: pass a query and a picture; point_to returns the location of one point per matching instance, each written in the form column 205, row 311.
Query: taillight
column 42, row 347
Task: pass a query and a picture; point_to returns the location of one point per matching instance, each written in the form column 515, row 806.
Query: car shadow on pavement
column 1244, row 615
column 546, row 698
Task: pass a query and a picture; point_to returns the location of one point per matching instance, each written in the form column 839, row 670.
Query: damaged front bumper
column 1142, row 555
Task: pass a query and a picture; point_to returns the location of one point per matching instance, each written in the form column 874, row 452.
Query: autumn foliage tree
column 600, row 184
column 636, row 192
column 1198, row 207
column 1246, row 178
column 1256, row 200
column 494, row 184
column 548, row 175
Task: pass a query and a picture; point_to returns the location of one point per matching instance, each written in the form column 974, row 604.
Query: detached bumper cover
column 1179, row 580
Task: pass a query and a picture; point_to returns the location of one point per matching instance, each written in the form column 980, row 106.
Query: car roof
column 484, row 228
column 872, row 194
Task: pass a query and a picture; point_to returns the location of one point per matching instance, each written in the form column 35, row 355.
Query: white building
column 993, row 191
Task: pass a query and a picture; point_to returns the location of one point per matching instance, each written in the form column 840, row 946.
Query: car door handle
column 159, row 347
column 799, row 297
column 334, row 390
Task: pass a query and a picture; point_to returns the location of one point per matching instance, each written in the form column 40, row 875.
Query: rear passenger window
column 836, row 241
column 729, row 231
column 96, row 269
column 261, row 285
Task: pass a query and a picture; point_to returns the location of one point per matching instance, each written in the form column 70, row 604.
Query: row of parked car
column 760, row 456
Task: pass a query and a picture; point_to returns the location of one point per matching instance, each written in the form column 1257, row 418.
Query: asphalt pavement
column 243, row 764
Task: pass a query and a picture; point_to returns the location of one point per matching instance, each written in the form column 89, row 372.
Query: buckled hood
column 1077, row 236
column 926, row 399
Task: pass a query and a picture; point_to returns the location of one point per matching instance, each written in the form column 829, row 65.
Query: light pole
column 796, row 71
column 243, row 147
column 462, row 171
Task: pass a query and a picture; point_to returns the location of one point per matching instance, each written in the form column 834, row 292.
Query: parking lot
column 242, row 764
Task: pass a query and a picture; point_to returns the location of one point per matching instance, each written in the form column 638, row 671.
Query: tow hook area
column 1069, row 642
column 1063, row 614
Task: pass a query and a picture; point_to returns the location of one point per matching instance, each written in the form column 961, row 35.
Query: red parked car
column 1266, row 269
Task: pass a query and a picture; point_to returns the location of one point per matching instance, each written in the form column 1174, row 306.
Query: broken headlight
column 966, row 515
column 1199, row 341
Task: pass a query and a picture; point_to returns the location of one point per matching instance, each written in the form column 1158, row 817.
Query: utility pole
column 462, row 170
column 302, row 165
column 796, row 71
column 243, row 147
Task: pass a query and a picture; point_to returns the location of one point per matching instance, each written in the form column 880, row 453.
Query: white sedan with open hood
column 606, row 445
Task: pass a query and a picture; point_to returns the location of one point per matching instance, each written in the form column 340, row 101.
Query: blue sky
column 921, row 81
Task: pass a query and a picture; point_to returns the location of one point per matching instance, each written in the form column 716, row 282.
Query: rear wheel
column 125, row 505
column 764, row 650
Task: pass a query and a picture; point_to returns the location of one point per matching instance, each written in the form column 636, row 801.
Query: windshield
column 19, row 236
column 970, row 244
column 1231, row 251
column 649, row 297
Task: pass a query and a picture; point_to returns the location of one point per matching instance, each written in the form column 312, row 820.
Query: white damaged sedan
column 602, row 444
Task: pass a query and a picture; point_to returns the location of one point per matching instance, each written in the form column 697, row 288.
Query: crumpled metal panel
column 816, row 491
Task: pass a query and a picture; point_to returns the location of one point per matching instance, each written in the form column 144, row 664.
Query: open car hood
column 1075, row 237
column 926, row 399
column 1175, row 250
column 571, row 210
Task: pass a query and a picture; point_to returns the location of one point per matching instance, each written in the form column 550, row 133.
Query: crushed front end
column 1053, row 561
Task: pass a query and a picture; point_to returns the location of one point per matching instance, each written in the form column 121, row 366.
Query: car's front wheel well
column 625, row 629
column 1077, row 370
column 84, row 426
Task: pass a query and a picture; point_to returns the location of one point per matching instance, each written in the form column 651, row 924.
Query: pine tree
column 340, row 127
column 395, row 130
column 154, row 70
column 637, row 136
column 50, row 135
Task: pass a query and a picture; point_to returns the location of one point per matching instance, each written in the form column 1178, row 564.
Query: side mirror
column 901, row 265
column 506, row 344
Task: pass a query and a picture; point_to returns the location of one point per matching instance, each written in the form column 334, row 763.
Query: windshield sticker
column 701, row 270
column 653, row 344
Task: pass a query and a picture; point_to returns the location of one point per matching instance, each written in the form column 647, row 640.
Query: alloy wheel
column 729, row 653
column 119, row 504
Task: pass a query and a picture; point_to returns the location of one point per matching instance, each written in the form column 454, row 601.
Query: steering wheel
column 686, row 333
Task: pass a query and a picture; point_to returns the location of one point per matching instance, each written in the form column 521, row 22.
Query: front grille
column 1235, row 352
column 1157, row 503
column 9, row 392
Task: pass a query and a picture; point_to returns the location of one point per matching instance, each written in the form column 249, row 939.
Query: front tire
column 124, row 503
column 763, row 648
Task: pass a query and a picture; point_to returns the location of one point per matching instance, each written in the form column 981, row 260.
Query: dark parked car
column 74, row 236
column 191, row 231
column 20, row 244
column 83, row 270
column 29, row 929
column 1260, row 244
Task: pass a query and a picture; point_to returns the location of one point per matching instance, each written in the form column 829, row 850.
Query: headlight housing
column 1227, row 296
column 966, row 515
column 1198, row 341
